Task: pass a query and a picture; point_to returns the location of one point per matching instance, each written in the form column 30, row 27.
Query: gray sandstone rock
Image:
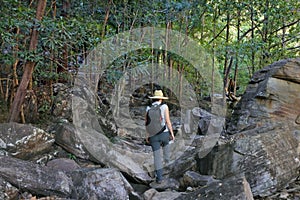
column 166, row 184
column 24, row 140
column 100, row 183
column 66, row 137
column 194, row 179
column 272, row 96
column 34, row 178
column 233, row 188
column 63, row 164
column 263, row 143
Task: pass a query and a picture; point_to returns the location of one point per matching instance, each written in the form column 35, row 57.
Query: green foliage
column 72, row 156
column 267, row 32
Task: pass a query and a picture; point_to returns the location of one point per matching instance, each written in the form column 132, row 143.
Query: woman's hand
column 172, row 137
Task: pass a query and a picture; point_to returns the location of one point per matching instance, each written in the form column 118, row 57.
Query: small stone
column 297, row 119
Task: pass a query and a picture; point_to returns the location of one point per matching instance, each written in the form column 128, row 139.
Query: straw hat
column 158, row 94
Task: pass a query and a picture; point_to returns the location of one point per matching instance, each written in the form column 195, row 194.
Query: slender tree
column 226, row 59
column 252, row 40
column 238, row 50
column 29, row 67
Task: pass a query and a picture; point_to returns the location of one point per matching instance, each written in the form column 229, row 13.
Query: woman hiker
column 160, row 139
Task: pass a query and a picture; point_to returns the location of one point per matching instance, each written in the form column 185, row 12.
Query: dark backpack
column 153, row 120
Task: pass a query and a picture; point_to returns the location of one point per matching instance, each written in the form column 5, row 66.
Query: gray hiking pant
column 156, row 142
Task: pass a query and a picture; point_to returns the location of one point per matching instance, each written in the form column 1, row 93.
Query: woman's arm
column 147, row 134
column 168, row 122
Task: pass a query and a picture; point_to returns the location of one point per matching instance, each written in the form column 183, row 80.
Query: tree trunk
column 54, row 7
column 213, row 58
column 237, row 53
column 15, row 81
column 28, row 70
column 252, row 39
column 169, row 60
column 153, row 53
column 107, row 13
column 64, row 68
column 225, row 72
column 283, row 37
column 181, row 70
column 265, row 32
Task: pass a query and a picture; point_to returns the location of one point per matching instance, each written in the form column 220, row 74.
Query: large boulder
column 66, row 137
column 34, row 178
column 24, row 140
column 95, row 183
column 61, row 178
column 272, row 96
column 95, row 140
column 233, row 188
column 263, row 140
